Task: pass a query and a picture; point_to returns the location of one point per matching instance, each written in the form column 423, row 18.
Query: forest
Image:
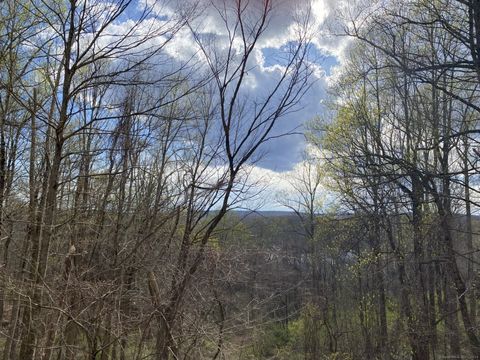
column 132, row 133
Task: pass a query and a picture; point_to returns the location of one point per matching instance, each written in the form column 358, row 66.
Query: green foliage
column 295, row 341
column 277, row 341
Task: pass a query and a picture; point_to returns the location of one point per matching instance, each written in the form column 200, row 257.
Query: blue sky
column 283, row 155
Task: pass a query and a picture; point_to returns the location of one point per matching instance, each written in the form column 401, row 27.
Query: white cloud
column 263, row 71
column 275, row 189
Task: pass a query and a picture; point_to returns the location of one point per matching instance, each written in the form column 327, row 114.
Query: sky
column 282, row 157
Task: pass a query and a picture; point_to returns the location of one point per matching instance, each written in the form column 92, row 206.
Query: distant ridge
column 266, row 214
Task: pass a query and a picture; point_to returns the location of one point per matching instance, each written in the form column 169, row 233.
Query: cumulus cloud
column 265, row 68
column 284, row 153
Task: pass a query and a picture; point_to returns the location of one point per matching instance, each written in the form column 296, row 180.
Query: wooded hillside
column 132, row 134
